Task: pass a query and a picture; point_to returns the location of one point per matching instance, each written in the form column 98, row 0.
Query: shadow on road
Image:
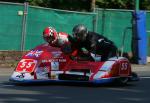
column 135, row 92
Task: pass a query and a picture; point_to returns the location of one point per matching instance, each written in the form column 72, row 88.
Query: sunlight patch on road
column 145, row 77
column 125, row 90
column 18, row 99
column 133, row 99
column 6, row 85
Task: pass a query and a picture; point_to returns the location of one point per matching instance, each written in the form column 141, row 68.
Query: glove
column 73, row 57
column 66, row 49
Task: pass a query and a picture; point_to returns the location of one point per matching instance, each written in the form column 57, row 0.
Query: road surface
column 136, row 92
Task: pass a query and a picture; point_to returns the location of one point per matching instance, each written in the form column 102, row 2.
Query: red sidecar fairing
column 49, row 64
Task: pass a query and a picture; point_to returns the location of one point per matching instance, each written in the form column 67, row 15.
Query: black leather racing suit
column 98, row 44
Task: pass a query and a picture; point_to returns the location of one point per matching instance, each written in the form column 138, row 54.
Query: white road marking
column 145, row 77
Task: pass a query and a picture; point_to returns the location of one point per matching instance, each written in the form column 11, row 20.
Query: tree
column 86, row 5
column 145, row 4
column 115, row 4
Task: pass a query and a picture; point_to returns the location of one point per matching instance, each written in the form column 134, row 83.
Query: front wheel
column 134, row 77
column 122, row 80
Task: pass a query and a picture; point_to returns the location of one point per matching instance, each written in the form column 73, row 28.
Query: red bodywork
column 55, row 62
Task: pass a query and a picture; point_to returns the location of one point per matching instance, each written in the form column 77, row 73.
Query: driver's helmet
column 50, row 35
column 80, row 32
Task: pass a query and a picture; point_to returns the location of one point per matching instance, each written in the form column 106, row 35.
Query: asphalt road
column 136, row 92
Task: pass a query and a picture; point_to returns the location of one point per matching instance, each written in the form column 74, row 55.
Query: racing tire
column 134, row 77
column 122, row 80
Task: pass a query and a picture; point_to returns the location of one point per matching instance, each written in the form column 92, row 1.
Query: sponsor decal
column 54, row 60
column 54, row 65
column 56, row 54
column 22, row 75
column 42, row 73
column 53, row 76
column 34, row 53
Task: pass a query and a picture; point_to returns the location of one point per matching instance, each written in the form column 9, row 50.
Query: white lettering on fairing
column 54, row 60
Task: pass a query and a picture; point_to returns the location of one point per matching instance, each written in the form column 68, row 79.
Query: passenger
column 57, row 39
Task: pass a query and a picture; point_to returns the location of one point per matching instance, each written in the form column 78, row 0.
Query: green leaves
column 85, row 5
column 115, row 4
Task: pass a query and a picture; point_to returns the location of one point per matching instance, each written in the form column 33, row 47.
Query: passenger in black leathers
column 93, row 42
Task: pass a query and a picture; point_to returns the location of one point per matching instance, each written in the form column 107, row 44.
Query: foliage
column 123, row 4
column 115, row 4
column 145, row 4
column 85, row 5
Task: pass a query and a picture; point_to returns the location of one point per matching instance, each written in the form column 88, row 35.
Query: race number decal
column 124, row 68
column 26, row 65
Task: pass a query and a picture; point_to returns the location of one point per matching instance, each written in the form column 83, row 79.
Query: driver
column 93, row 42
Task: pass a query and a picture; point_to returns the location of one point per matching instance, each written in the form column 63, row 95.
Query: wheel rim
column 123, row 80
